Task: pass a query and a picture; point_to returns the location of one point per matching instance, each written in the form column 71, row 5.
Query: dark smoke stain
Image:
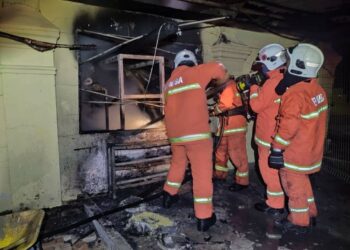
column 100, row 117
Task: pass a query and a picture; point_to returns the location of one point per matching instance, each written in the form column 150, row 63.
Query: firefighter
column 188, row 130
column 298, row 144
column 233, row 141
column 265, row 102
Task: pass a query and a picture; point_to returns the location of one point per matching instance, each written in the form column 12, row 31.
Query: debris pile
column 149, row 223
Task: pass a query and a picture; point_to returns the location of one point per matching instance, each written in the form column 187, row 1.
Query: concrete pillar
column 29, row 159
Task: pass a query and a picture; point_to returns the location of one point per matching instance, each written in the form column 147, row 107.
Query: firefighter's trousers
column 199, row 155
column 233, row 147
column 301, row 203
column 274, row 191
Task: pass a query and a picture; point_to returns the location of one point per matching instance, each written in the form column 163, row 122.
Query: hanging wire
column 154, row 58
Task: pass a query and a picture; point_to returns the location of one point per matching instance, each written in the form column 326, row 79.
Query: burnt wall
column 101, row 74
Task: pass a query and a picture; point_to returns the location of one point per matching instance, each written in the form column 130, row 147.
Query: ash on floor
column 239, row 225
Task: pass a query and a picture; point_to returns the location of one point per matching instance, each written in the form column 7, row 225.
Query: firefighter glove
column 258, row 79
column 243, row 83
column 276, row 159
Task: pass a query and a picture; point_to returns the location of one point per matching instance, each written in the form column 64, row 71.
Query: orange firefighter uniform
column 265, row 102
column 301, row 133
column 188, row 130
column 233, row 141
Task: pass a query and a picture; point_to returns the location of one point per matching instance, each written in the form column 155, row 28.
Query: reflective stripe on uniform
column 261, row 142
column 235, row 130
column 274, row 193
column 173, row 184
column 254, row 95
column 187, row 138
column 311, row 199
column 302, row 168
column 281, row 140
column 277, row 100
column 238, row 95
column 184, row 88
column 242, row 174
column 299, row 210
column 314, row 114
column 221, row 168
column 202, row 200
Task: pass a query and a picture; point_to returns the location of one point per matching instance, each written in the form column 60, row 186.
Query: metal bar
column 140, row 57
column 156, row 179
column 110, row 50
column 98, row 93
column 127, row 103
column 147, row 96
column 143, row 160
column 166, row 51
column 107, row 114
column 113, row 59
column 91, row 32
column 160, row 165
column 121, row 89
column 203, row 21
column 119, row 37
column 217, row 4
column 102, row 102
column 149, row 101
column 148, row 104
column 163, row 143
column 162, row 80
column 142, row 178
column 141, row 65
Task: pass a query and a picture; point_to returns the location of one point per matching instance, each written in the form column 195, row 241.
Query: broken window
column 122, row 92
column 141, row 80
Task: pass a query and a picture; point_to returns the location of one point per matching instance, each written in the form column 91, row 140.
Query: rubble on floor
column 239, row 225
column 65, row 242
column 147, row 223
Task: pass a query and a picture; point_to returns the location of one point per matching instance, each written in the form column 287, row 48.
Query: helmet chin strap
column 264, row 70
column 288, row 81
column 260, row 67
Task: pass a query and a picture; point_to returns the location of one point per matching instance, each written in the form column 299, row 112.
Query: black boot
column 169, row 200
column 274, row 212
column 288, row 226
column 204, row 224
column 237, row 187
column 274, row 232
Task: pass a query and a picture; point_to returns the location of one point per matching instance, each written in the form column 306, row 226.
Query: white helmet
column 185, row 55
column 305, row 60
column 272, row 56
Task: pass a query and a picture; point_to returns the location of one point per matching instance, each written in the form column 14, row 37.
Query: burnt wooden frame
column 122, row 94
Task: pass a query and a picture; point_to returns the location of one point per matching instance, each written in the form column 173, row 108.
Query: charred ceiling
column 313, row 20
